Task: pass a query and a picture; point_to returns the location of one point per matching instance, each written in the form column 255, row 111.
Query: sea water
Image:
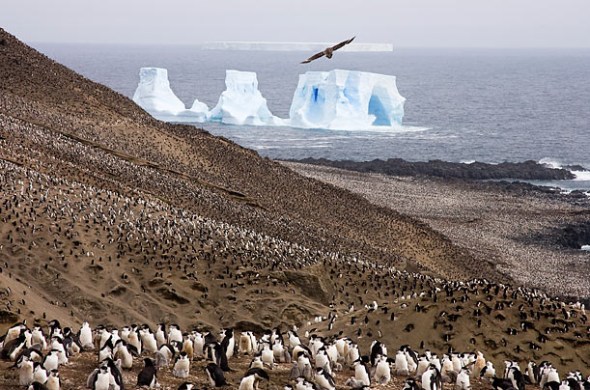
column 462, row 105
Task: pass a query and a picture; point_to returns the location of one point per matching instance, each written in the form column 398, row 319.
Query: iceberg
column 242, row 103
column 336, row 100
column 154, row 95
column 346, row 100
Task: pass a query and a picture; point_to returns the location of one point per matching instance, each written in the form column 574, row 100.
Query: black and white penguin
column 12, row 348
column 215, row 375
column 53, row 381
column 324, row 380
column 411, row 384
column 181, row 366
column 37, row 386
column 51, row 361
column 40, row 374
column 185, row 386
column 228, row 342
column 147, row 376
column 252, row 377
column 102, row 378
column 431, row 379
column 25, row 371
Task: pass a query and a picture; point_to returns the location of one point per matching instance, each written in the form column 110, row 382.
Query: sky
column 408, row 23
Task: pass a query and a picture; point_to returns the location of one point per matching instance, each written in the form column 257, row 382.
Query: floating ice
column 338, row 99
column 346, row 100
column 242, row 103
column 154, row 95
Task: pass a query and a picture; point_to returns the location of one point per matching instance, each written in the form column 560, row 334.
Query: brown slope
column 247, row 189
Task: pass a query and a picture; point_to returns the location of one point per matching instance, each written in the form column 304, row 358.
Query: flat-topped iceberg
column 346, row 100
column 154, row 95
column 242, row 103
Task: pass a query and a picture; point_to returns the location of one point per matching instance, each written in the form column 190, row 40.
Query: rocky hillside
column 110, row 216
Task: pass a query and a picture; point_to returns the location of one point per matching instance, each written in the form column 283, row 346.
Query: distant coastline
column 294, row 46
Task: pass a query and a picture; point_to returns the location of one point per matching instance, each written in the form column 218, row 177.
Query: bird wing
column 339, row 45
column 314, row 57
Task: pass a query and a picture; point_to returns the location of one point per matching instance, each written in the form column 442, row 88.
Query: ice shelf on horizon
column 294, row 46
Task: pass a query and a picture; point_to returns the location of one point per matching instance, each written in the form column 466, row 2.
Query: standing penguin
column 53, row 382
column 324, row 380
column 215, row 375
column 85, row 337
column 102, row 379
column 147, row 376
column 252, row 377
column 181, row 366
column 25, row 371
column 228, row 342
column 185, row 386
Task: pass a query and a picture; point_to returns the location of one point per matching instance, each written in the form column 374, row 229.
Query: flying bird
column 328, row 51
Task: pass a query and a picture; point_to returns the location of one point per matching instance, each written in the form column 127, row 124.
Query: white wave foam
column 581, row 175
column 551, row 163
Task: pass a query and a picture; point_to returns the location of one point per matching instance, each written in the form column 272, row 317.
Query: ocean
column 489, row 105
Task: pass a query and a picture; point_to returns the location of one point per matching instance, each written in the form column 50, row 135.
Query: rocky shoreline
column 526, row 170
column 525, row 231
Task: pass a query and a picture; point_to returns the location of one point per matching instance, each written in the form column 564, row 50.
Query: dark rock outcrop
column 527, row 170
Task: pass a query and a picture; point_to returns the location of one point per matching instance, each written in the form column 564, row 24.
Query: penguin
column 423, row 364
column 411, row 384
column 382, row 371
column 488, row 372
column 324, row 380
column 134, row 341
column 361, row 373
column 245, row 344
column 14, row 332
column 401, row 364
column 102, row 379
column 37, row 386
column 181, row 366
column 53, row 381
column 174, row 334
column 462, row 382
column 122, row 352
column 198, row 345
column 188, row 346
column 431, row 379
column 51, row 361
column 185, row 386
column 115, row 373
column 85, row 337
column 37, row 337
column 215, row 375
column 251, row 379
column 267, row 356
column 148, row 340
column 294, row 373
column 161, row 335
column 147, row 376
column 25, row 371
column 40, row 374
column 278, row 350
column 228, row 342
column 58, row 345
column 377, row 348
column 164, row 355
column 13, row 347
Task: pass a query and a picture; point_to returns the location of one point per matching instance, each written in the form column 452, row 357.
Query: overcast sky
column 409, row 23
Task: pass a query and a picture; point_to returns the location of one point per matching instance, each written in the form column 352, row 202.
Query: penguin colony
column 90, row 226
column 39, row 354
